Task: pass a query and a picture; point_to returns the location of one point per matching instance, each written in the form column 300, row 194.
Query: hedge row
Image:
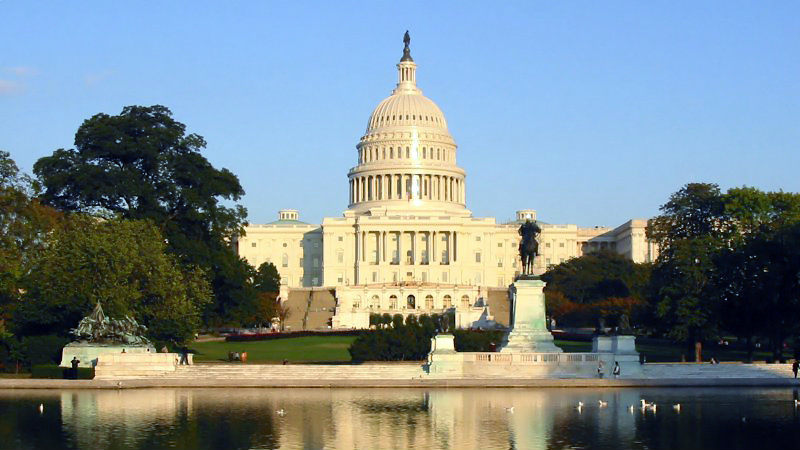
column 292, row 334
column 57, row 372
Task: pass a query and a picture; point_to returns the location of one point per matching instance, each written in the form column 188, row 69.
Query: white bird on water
column 580, row 407
column 41, row 408
column 677, row 407
column 510, row 410
column 281, row 412
column 796, row 403
column 602, row 404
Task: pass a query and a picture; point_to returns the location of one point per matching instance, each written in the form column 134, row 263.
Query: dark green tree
column 690, row 230
column 267, row 278
column 24, row 226
column 122, row 264
column 141, row 164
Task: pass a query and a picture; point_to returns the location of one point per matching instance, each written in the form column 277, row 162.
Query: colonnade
column 425, row 247
column 407, row 186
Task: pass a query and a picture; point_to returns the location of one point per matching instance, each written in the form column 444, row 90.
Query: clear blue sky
column 589, row 112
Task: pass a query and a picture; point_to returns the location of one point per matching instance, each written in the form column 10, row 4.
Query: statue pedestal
column 87, row 353
column 529, row 333
column 443, row 358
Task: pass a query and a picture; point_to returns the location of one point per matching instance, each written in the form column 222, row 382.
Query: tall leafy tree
column 689, row 231
column 122, row 264
column 24, row 225
column 141, row 164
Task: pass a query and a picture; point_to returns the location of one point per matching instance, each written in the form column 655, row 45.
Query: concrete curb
column 155, row 383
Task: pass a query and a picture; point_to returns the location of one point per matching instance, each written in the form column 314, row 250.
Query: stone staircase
column 298, row 372
column 725, row 370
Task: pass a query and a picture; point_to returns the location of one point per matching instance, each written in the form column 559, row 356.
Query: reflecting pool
column 468, row 418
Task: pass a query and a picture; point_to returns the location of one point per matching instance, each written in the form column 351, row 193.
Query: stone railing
column 530, row 358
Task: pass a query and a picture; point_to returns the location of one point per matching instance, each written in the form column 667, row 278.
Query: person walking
column 795, row 366
column 599, row 368
column 616, row 369
column 184, row 356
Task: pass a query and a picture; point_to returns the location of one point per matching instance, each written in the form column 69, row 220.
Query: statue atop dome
column 406, row 49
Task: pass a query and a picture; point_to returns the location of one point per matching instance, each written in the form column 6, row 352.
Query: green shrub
column 43, row 349
column 477, row 340
column 56, row 372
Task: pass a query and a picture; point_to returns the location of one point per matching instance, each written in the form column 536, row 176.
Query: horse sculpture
column 528, row 246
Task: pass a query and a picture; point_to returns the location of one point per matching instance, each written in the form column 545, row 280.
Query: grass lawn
column 300, row 349
column 334, row 349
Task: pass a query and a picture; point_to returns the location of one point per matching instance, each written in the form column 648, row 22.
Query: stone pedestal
column 529, row 333
column 443, row 358
column 87, row 353
column 619, row 349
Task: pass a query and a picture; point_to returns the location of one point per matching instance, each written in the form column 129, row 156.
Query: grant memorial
column 529, row 333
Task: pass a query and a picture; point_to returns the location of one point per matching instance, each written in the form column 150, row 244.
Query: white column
column 432, row 240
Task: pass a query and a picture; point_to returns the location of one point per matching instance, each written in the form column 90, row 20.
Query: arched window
column 375, row 303
column 428, row 301
column 465, row 301
column 411, row 302
column 392, row 301
column 447, row 302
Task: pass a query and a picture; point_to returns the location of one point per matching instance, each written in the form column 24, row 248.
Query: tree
column 689, row 231
column 122, row 264
column 577, row 288
column 141, row 164
column 267, row 278
column 24, row 225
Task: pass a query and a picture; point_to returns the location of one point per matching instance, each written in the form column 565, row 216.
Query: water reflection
column 398, row 418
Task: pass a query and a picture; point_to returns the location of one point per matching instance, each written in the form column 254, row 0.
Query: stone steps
column 302, row 372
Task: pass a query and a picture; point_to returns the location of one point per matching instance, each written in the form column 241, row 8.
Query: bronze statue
column 528, row 246
column 406, row 49
column 98, row 328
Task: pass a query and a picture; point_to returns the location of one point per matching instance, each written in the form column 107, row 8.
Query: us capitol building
column 407, row 243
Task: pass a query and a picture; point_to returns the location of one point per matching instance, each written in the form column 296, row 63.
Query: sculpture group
column 99, row 329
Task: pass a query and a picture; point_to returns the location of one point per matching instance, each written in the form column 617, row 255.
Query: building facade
column 407, row 244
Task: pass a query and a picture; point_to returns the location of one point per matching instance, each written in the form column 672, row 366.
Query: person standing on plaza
column 795, row 366
column 616, row 369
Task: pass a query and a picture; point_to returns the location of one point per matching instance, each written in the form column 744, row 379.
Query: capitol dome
column 407, row 157
column 406, row 107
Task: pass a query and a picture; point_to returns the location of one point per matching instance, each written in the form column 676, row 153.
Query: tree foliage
column 581, row 290
column 122, row 264
column 141, row 164
column 24, row 226
column 726, row 263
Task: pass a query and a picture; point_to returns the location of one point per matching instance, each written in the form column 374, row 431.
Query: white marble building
column 407, row 242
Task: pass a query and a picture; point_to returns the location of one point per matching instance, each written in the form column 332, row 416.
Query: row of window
column 410, row 302
column 370, row 154
column 380, row 120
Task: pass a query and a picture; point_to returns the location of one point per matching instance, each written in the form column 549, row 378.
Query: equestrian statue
column 528, row 246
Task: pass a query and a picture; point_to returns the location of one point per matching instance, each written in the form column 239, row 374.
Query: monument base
column 529, row 333
column 87, row 353
column 443, row 358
